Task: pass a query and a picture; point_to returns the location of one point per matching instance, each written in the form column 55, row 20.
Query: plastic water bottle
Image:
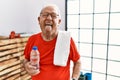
column 35, row 57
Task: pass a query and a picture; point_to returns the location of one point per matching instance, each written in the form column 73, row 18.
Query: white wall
column 21, row 15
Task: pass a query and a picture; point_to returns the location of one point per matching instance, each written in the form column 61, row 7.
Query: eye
column 45, row 14
column 53, row 15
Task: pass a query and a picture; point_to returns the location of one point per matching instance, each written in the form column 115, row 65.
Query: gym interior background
column 94, row 25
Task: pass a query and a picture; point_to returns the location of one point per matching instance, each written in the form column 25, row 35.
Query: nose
column 49, row 16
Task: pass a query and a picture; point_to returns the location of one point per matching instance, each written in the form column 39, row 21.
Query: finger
column 32, row 67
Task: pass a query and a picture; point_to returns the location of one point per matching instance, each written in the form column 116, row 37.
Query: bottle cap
column 34, row 48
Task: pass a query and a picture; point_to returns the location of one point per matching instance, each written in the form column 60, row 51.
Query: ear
column 39, row 18
column 59, row 21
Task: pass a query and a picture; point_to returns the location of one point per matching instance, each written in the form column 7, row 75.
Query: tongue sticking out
column 48, row 28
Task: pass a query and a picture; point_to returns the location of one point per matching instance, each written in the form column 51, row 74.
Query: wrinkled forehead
column 50, row 9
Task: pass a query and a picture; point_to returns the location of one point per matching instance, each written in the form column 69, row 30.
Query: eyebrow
column 49, row 12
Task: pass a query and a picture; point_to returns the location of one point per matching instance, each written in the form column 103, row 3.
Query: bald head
column 52, row 6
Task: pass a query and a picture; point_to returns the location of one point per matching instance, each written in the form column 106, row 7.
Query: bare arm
column 76, row 69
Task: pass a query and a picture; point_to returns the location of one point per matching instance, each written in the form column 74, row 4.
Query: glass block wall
column 95, row 27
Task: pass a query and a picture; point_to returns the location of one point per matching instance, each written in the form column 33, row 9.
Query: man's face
column 49, row 20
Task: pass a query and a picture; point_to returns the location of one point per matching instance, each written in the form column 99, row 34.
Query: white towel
column 62, row 48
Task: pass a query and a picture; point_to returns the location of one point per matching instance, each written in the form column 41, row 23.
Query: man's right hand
column 32, row 70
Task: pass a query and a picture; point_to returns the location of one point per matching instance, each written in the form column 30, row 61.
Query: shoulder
column 72, row 40
column 34, row 36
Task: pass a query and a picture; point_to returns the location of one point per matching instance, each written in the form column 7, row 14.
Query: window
column 95, row 27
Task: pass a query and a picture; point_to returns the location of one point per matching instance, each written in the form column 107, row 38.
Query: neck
column 49, row 37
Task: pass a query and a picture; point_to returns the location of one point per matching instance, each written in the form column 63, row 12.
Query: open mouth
column 48, row 24
column 48, row 27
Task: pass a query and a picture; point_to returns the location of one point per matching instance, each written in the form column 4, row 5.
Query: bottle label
column 34, row 57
